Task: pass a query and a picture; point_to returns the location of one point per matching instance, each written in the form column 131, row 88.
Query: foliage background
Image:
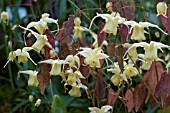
column 14, row 92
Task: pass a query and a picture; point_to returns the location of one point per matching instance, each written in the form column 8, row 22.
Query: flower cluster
column 124, row 67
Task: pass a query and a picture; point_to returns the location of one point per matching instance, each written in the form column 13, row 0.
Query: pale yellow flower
column 132, row 53
column 73, row 60
column 40, row 42
column 4, row 16
column 75, row 91
column 56, row 65
column 23, row 55
column 130, row 71
column 118, row 77
column 41, row 25
column 112, row 20
column 104, row 109
column 93, row 56
column 161, row 8
column 33, row 81
column 73, row 77
column 38, row 102
column 138, row 29
column 78, row 30
column 151, row 49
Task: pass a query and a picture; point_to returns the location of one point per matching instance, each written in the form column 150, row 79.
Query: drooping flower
column 75, row 91
column 40, row 42
column 73, row 77
column 22, row 54
column 132, row 53
column 161, row 8
column 138, row 29
column 78, row 30
column 56, row 65
column 73, row 60
column 104, row 109
column 118, row 77
column 33, row 81
column 112, row 20
column 41, row 25
column 150, row 49
column 93, row 56
column 130, row 70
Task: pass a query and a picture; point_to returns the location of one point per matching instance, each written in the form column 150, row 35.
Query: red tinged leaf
column 101, row 35
column 119, row 52
column 129, row 100
column 140, row 94
column 64, row 51
column 162, row 91
column 44, row 76
column 166, row 21
column 125, row 33
column 112, row 97
column 64, row 34
column 98, row 85
column 50, row 37
column 51, row 40
column 74, row 47
column 153, row 75
column 110, row 50
column 85, row 70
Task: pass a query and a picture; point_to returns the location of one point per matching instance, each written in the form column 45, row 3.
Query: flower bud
column 38, row 102
column 9, row 44
column 77, row 21
column 31, row 98
column 109, row 6
column 161, row 8
column 4, row 16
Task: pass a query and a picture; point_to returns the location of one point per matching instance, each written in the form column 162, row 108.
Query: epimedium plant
column 106, row 71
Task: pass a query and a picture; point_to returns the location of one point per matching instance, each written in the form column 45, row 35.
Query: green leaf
column 58, row 105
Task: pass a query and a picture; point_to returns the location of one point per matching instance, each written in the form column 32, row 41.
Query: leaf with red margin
column 44, row 76
column 129, row 100
column 112, row 97
column 98, row 86
column 140, row 94
column 101, row 35
column 153, row 75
